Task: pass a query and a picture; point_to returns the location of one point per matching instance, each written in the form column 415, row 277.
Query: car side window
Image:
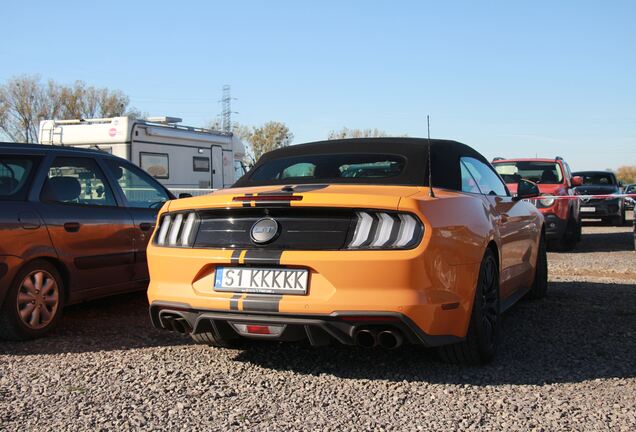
column 488, row 182
column 139, row 189
column 77, row 181
column 468, row 182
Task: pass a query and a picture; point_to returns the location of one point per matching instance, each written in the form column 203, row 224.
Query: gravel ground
column 567, row 362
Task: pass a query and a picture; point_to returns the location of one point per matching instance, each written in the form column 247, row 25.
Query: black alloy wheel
column 482, row 336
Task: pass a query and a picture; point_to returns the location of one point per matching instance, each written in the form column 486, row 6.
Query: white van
column 183, row 158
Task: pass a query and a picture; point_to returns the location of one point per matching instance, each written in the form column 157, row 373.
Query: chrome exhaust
column 390, row 339
column 365, row 338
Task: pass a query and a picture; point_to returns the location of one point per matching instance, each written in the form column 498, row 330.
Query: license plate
column 588, row 209
column 261, row 280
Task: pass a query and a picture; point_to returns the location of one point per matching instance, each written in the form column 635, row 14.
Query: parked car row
column 554, row 178
column 370, row 242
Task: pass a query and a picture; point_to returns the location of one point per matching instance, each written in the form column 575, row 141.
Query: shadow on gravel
column 581, row 331
column 115, row 323
column 605, row 242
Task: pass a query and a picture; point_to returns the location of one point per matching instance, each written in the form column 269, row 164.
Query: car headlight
column 381, row 230
column 177, row 229
column 546, row 202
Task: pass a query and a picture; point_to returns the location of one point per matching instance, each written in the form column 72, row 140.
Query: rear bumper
column 423, row 286
column 317, row 329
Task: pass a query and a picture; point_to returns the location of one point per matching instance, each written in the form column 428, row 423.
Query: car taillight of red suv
column 554, row 178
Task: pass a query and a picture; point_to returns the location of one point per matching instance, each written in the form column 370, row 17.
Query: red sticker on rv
column 112, row 132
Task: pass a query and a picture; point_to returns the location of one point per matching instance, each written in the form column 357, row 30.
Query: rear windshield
column 338, row 168
column 15, row 174
column 599, row 179
column 537, row 172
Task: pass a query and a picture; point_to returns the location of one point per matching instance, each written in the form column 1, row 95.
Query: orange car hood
column 334, row 195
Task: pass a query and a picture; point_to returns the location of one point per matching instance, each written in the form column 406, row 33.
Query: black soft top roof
column 445, row 158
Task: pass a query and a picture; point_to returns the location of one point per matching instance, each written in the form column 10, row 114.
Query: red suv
column 553, row 176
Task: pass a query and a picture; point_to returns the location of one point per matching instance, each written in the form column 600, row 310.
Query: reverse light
column 383, row 230
column 258, row 329
column 176, row 230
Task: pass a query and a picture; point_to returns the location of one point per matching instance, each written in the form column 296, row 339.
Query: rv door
column 228, row 168
column 217, row 167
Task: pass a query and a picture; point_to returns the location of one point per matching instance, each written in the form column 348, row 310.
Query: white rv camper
column 183, row 158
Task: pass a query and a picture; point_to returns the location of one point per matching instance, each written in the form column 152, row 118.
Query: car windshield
column 537, row 172
column 342, row 168
column 597, row 179
column 15, row 172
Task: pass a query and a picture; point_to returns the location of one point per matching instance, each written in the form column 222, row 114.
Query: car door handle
column 72, row 226
column 146, row 226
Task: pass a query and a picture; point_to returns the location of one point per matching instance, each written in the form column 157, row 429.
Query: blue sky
column 508, row 78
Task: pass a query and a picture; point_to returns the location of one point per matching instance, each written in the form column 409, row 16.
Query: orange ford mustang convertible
column 345, row 241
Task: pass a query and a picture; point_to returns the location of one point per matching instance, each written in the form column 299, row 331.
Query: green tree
column 626, row 174
column 25, row 100
column 270, row 136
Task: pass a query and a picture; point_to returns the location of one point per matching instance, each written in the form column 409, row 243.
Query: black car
column 610, row 210
column 74, row 226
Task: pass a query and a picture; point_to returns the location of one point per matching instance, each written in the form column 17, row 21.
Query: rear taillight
column 177, row 230
column 383, row 230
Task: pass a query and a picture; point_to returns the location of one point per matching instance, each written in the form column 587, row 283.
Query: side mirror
column 185, row 195
column 577, row 181
column 526, row 189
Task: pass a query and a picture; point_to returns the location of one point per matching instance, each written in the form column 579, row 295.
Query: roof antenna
column 430, row 165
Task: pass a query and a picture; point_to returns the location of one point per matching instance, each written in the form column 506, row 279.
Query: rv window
column 201, row 164
column 155, row 164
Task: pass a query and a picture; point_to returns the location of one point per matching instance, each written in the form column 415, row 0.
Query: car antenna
column 430, row 165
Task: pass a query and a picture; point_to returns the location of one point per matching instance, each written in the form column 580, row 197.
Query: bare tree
column 24, row 101
column 356, row 133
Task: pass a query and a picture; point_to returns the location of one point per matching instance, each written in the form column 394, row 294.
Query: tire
column 208, row 338
column 619, row 220
column 482, row 336
column 33, row 305
column 540, row 284
column 571, row 237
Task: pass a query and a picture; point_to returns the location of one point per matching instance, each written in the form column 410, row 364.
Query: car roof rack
column 558, row 158
column 498, row 158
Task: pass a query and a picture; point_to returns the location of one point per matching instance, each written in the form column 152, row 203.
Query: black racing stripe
column 234, row 301
column 272, row 204
column 262, row 303
column 275, row 192
column 235, row 256
column 263, row 256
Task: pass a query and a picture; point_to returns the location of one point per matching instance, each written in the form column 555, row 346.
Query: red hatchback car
column 553, row 176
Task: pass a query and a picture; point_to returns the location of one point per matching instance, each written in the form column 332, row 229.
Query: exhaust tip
column 180, row 325
column 390, row 339
column 365, row 338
